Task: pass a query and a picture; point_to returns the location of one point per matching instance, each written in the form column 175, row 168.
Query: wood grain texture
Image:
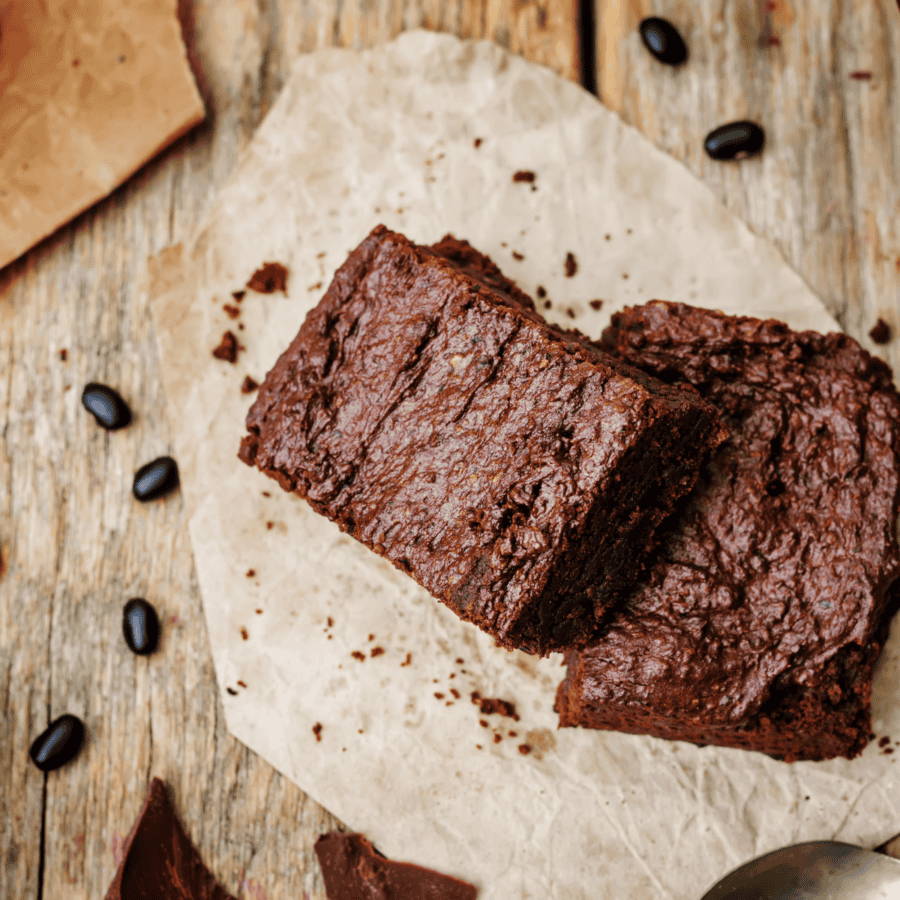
column 75, row 545
column 826, row 189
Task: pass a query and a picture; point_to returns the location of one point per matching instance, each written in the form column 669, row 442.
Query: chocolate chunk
column 881, row 332
column 159, row 860
column 106, row 406
column 270, row 277
column 735, row 140
column 353, row 870
column 140, row 625
column 155, row 479
column 662, row 39
column 227, row 349
column 58, row 744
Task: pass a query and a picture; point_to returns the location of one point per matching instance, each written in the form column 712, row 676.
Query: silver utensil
column 817, row 870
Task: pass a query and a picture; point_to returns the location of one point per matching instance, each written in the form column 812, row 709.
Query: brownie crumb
column 376, row 651
column 357, row 654
column 408, row 660
column 571, row 265
column 2, row 564
column 888, row 750
column 240, row 326
column 524, row 749
column 315, row 287
column 330, row 622
column 541, row 17
column 244, row 634
column 459, row 660
column 771, row 40
column 512, row 734
column 251, row 573
column 231, row 691
column 548, row 304
column 498, row 738
column 525, row 175
column 270, row 525
column 439, row 695
column 455, row 693
column 861, row 75
column 317, row 731
column 478, row 747
column 570, row 312
column 371, row 637
column 63, row 354
column 227, row 349
column 266, row 494
column 517, row 256
column 596, row 304
column 238, row 295
column 232, row 311
column 249, row 385
column 883, row 742
column 477, row 143
column 490, row 706
column 541, row 291
column 483, row 723
column 269, row 278
column 259, row 612
column 881, row 332
column 242, row 684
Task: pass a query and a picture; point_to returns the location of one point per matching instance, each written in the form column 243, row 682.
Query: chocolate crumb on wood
column 227, row 349
column 861, row 75
column 63, row 354
column 881, row 332
column 524, row 175
column 269, row 278
column 571, row 265
column 249, row 385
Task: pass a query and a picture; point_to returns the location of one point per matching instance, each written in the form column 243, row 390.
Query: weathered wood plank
column 74, row 543
column 827, row 188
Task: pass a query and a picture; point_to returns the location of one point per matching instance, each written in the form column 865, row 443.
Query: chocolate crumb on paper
column 244, row 634
column 63, row 354
column 880, row 332
column 571, row 265
column 231, row 691
column 238, row 295
column 269, row 278
column 232, row 311
column 251, row 573
column 477, row 143
column 524, row 175
column 227, row 349
column 358, row 654
column 596, row 304
column 376, row 651
column 317, row 731
column 541, row 291
column 408, row 660
column 524, row 749
column 249, row 385
column 517, row 256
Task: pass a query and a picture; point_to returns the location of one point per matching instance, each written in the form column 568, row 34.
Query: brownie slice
column 514, row 470
column 759, row 620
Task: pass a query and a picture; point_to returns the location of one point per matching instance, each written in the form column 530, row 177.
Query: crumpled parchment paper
column 425, row 135
column 89, row 92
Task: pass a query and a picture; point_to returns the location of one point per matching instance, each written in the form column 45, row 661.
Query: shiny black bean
column 106, row 406
column 735, row 140
column 662, row 39
column 155, row 479
column 140, row 625
column 58, row 744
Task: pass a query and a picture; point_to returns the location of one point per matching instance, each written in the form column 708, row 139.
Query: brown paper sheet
column 89, row 92
column 425, row 135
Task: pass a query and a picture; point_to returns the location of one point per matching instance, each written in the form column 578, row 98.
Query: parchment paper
column 88, row 93
column 390, row 136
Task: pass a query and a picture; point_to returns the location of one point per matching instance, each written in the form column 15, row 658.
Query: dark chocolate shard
column 353, row 870
column 160, row 862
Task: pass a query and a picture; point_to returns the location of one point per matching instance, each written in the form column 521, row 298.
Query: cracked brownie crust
column 761, row 616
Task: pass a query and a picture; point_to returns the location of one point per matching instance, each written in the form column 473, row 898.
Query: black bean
column 106, row 406
column 58, row 744
column 662, row 39
column 140, row 625
column 155, row 479
column 735, row 140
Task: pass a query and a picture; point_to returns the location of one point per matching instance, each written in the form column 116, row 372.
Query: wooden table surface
column 75, row 545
